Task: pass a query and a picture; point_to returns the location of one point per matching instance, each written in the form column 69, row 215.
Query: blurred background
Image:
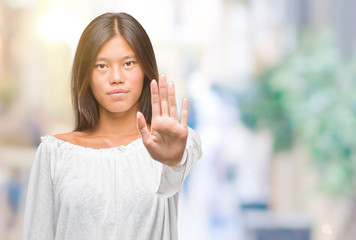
column 272, row 90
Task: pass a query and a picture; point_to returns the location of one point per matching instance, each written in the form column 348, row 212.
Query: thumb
column 142, row 126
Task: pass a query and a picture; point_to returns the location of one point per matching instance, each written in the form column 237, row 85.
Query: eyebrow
column 121, row 59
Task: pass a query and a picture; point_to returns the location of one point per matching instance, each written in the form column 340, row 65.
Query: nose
column 116, row 76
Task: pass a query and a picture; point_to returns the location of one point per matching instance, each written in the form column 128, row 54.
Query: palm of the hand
column 167, row 140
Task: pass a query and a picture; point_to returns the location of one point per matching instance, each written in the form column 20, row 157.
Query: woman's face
column 117, row 77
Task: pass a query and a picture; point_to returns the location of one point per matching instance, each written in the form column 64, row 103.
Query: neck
column 119, row 125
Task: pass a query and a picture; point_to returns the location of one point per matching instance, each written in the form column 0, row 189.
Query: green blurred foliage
column 310, row 97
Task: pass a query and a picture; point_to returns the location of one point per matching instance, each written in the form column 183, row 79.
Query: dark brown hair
column 95, row 35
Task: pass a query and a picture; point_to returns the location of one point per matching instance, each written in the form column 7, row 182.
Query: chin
column 120, row 109
column 117, row 110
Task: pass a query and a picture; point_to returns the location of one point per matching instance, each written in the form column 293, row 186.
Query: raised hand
column 168, row 137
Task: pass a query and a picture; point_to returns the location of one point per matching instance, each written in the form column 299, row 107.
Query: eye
column 101, row 66
column 129, row 64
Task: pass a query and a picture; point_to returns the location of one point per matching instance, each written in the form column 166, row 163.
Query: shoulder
column 71, row 137
column 54, row 145
column 67, row 137
column 57, row 140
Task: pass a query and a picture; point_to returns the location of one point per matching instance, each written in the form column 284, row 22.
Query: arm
column 170, row 142
column 168, row 137
column 171, row 178
column 38, row 220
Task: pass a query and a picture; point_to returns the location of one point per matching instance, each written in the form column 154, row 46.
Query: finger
column 156, row 109
column 142, row 127
column 184, row 113
column 163, row 94
column 172, row 100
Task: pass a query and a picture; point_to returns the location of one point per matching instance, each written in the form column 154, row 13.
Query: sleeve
column 38, row 219
column 171, row 178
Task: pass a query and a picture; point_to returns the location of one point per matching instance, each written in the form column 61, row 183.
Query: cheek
column 95, row 85
column 140, row 79
column 140, row 86
column 93, row 89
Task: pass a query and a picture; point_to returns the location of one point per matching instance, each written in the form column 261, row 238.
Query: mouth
column 118, row 92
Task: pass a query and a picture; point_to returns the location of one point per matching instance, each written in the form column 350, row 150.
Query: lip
column 117, row 92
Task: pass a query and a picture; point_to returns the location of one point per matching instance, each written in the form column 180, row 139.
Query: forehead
column 116, row 46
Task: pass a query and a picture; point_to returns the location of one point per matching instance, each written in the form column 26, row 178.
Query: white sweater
column 79, row 193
